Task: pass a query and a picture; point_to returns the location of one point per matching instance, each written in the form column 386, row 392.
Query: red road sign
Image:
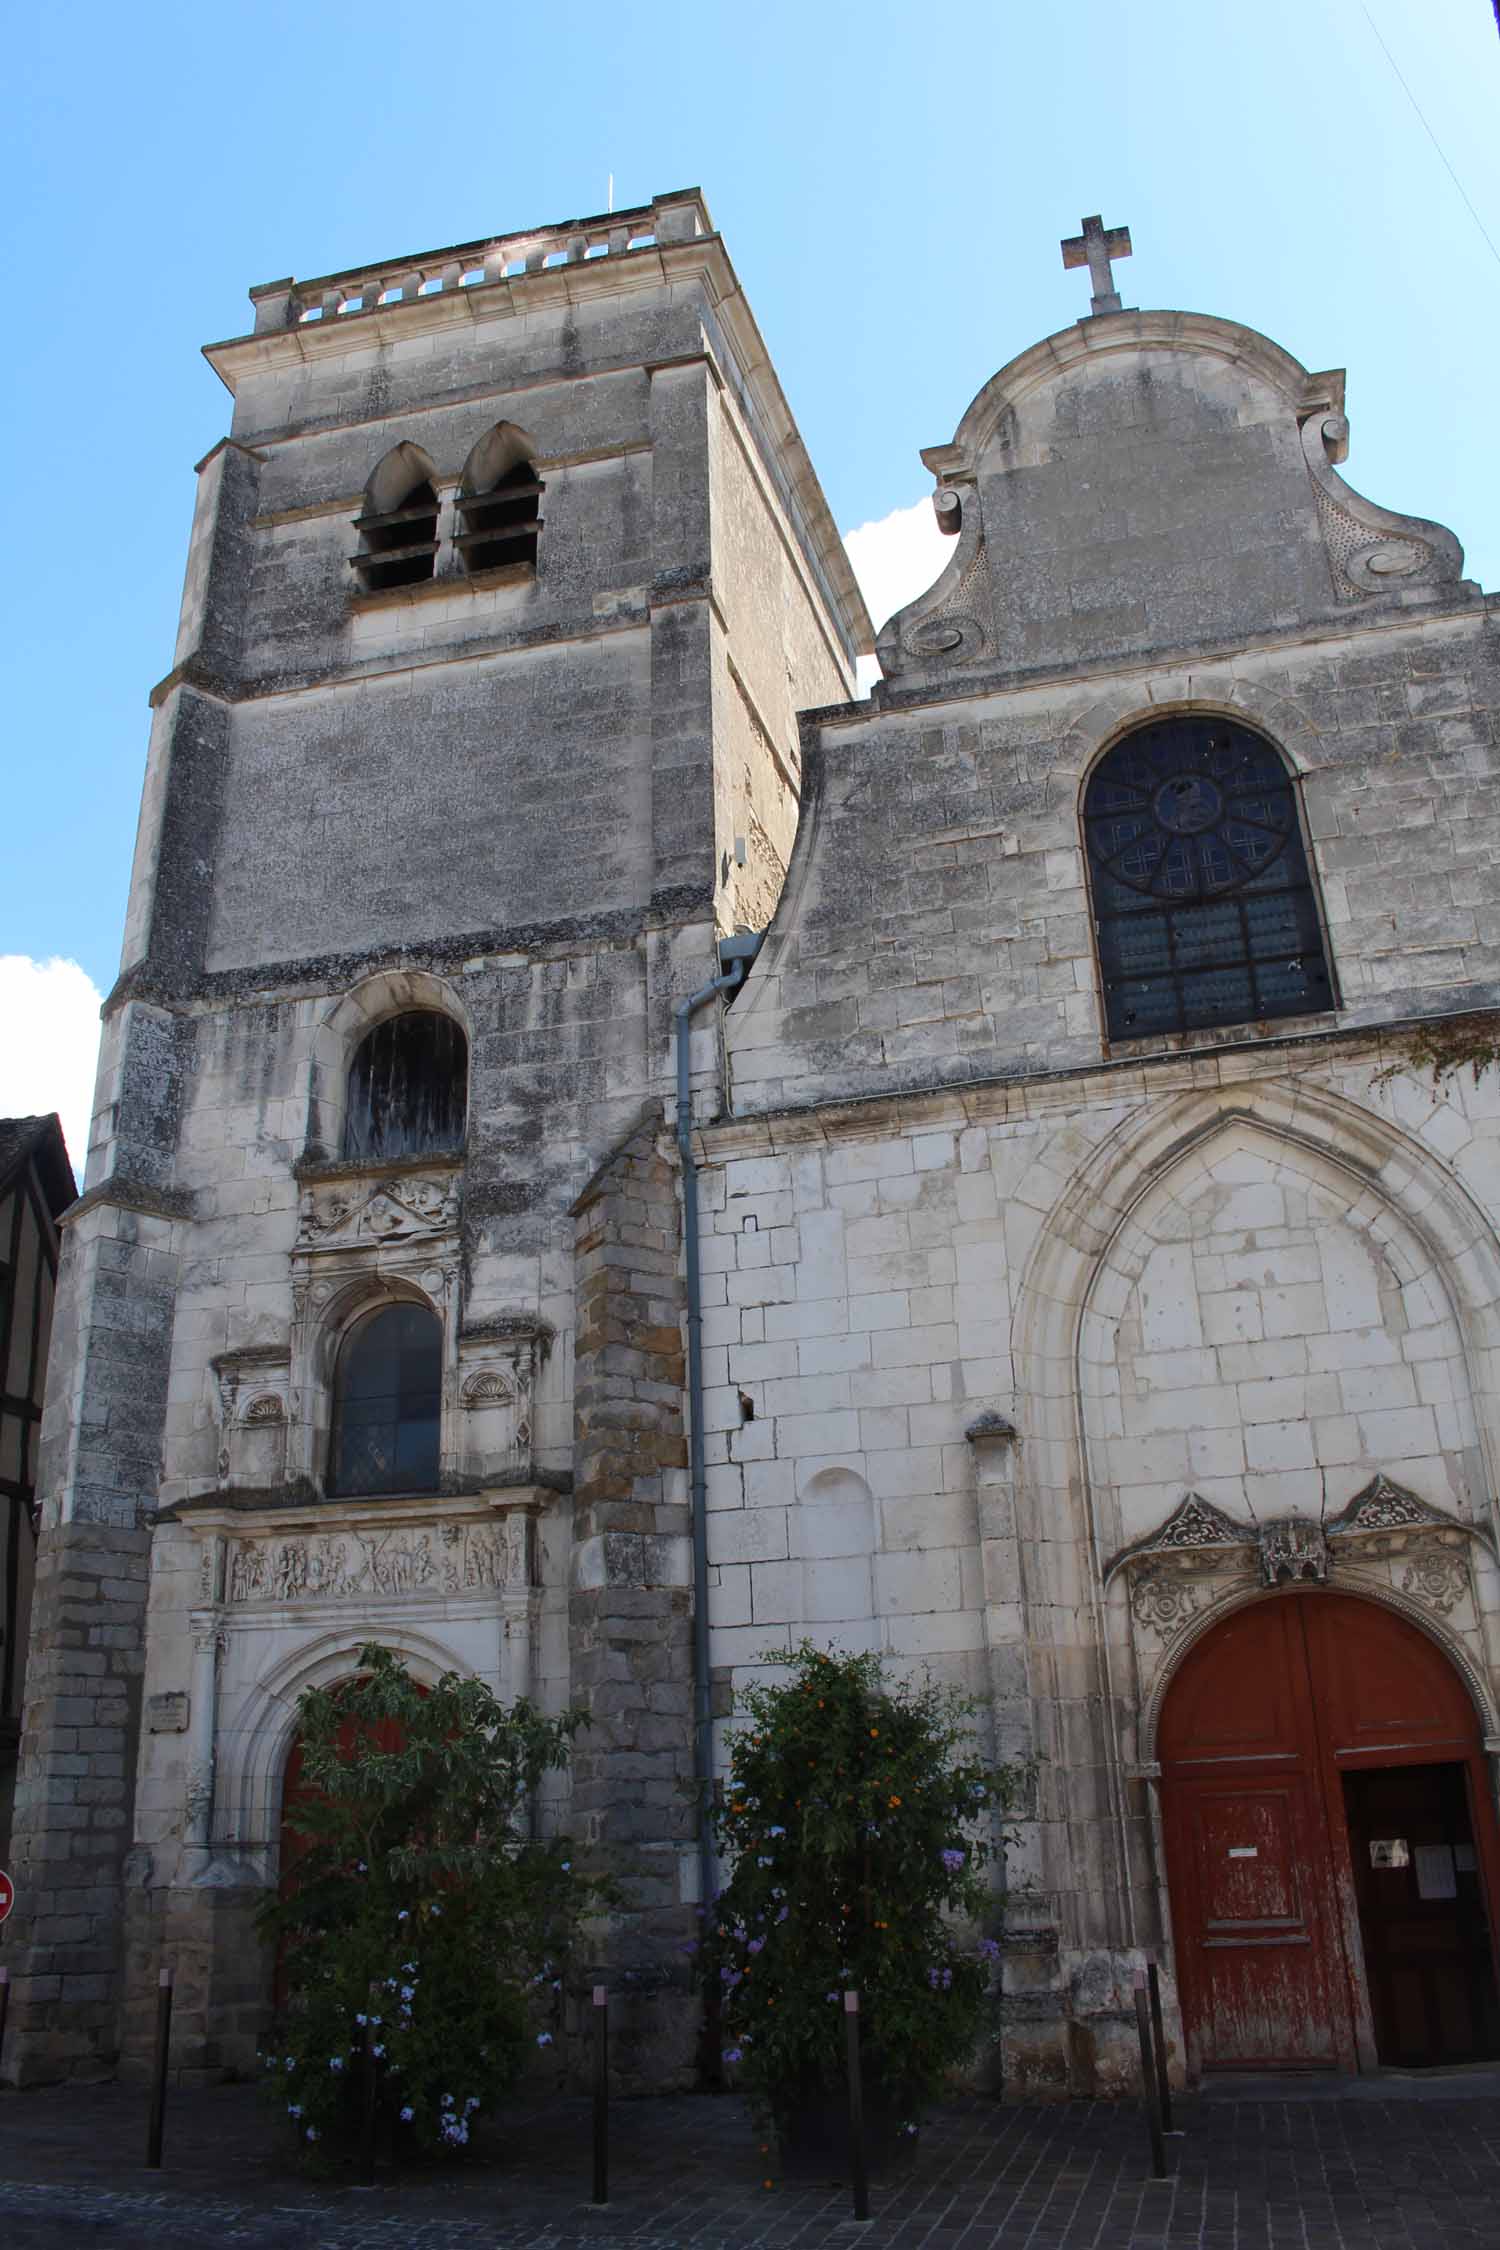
column 7, row 1894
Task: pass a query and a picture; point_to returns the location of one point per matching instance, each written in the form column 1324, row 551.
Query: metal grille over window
column 398, row 523
column 1202, row 900
column 387, row 1408
column 408, row 1089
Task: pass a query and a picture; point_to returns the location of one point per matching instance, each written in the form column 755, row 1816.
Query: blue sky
column 892, row 183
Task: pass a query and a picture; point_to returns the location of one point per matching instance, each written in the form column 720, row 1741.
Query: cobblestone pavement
column 1378, row 2165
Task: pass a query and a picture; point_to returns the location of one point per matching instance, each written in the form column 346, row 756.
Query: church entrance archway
column 1333, row 1860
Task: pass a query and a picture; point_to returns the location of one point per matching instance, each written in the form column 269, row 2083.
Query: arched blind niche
column 408, row 1088
column 387, row 1403
column 1203, row 905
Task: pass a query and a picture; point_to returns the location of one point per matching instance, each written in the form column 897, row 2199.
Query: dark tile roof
column 39, row 1140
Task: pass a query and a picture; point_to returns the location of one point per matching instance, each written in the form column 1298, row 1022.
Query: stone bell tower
column 502, row 596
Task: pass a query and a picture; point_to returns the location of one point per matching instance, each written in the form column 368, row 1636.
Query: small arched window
column 387, row 1403
column 408, row 1089
column 498, row 498
column 1203, row 905
column 398, row 523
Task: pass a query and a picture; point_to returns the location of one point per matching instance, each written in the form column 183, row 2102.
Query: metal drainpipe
column 736, row 954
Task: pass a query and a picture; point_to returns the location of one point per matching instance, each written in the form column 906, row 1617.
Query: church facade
column 1060, row 1252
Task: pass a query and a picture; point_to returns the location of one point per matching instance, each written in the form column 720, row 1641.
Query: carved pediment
column 412, row 1207
column 1195, row 1530
column 1383, row 1506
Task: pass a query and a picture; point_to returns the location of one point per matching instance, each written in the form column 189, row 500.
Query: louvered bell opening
column 399, row 548
column 501, row 525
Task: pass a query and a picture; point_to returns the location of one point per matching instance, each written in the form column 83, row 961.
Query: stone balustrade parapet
column 289, row 303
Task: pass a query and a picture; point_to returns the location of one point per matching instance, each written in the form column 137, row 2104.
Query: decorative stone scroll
column 448, row 1559
column 1372, row 550
column 410, row 1207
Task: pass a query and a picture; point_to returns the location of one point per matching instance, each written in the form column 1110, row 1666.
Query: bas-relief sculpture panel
column 449, row 1559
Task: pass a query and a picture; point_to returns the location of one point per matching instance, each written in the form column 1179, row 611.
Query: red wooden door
column 1263, row 1721
column 1249, row 1864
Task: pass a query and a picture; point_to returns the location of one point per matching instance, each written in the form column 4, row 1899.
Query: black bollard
column 1148, row 2077
column 159, row 2071
column 1159, row 2046
column 601, row 2093
column 856, row 2109
column 367, row 2105
column 4, row 2010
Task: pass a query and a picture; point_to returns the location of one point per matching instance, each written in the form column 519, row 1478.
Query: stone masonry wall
column 630, row 1608
column 72, row 1819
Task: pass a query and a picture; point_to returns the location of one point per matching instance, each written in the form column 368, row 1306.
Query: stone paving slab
column 1267, row 2167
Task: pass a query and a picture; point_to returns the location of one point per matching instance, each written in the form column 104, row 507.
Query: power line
column 1431, row 135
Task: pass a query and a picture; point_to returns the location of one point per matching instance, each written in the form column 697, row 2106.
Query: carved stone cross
column 1094, row 248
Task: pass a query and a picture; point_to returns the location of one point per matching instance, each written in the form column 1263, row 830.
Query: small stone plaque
column 166, row 1714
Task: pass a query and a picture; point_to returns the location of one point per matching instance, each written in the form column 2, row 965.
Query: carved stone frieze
column 356, row 1215
column 408, row 1559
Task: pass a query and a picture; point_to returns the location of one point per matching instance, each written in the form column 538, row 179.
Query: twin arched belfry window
column 497, row 503
column 1203, row 905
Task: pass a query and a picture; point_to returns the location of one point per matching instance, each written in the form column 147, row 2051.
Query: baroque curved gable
column 1153, row 482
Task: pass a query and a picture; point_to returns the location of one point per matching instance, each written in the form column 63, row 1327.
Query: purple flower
column 782, row 1913
column 776, row 1831
column 544, row 2038
column 312, row 2132
column 732, row 2054
column 361, row 2019
column 294, row 2109
column 833, row 1996
column 335, row 2062
column 953, row 1861
column 756, row 1945
column 407, row 2114
column 988, row 1949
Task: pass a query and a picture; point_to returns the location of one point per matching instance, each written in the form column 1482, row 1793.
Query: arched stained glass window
column 1202, row 901
column 387, row 1403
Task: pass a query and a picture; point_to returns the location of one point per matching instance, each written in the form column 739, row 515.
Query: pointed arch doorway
column 1333, row 1860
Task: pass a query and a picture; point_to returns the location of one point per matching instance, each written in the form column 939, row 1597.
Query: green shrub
column 862, row 1831
column 420, row 1904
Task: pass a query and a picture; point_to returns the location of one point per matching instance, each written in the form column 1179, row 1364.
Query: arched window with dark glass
column 398, row 524
column 387, row 1403
column 408, row 1089
column 1203, row 904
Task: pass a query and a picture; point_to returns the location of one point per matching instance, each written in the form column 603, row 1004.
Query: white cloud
column 895, row 560
column 49, row 1044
